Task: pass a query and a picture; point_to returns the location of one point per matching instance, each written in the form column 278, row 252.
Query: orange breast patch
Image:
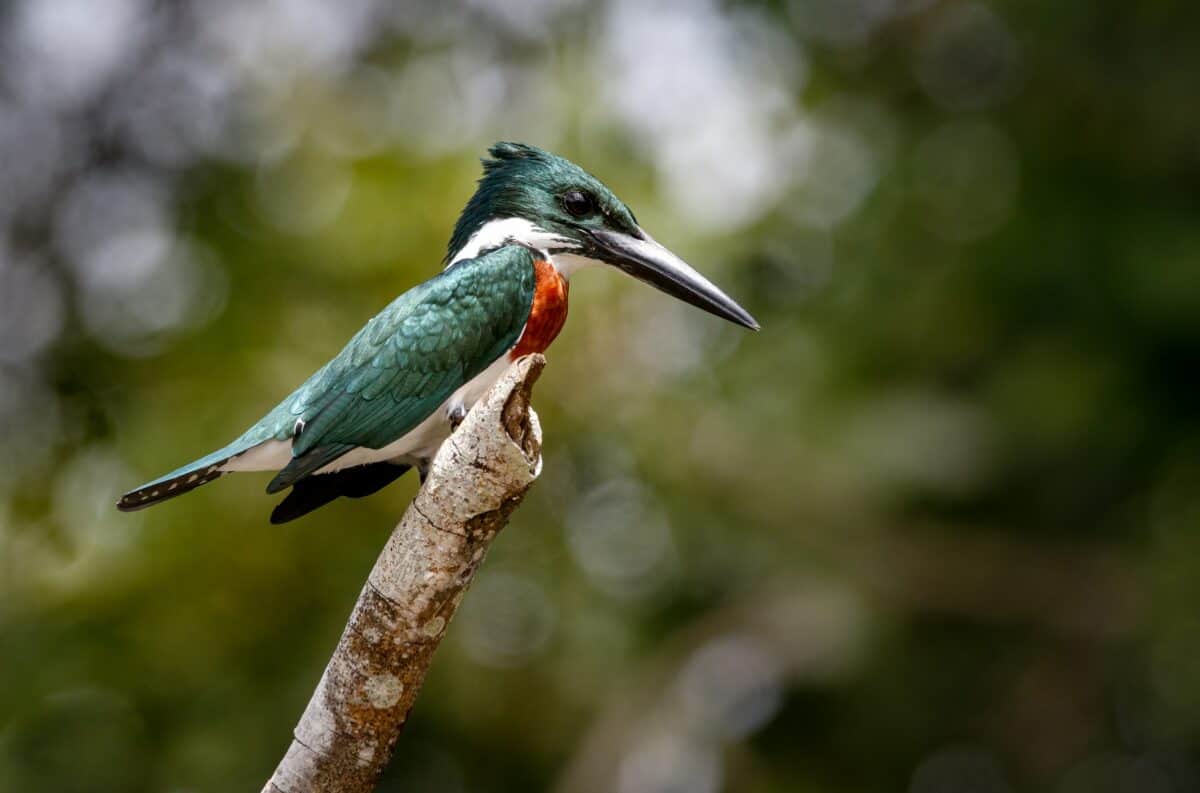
column 549, row 311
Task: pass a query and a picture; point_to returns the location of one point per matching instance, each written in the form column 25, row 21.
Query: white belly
column 421, row 443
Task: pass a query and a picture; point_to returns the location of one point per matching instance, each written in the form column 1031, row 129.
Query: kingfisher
column 396, row 391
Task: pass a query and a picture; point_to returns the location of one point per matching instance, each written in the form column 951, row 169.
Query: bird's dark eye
column 578, row 203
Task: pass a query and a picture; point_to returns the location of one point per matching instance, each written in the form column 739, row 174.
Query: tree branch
column 480, row 475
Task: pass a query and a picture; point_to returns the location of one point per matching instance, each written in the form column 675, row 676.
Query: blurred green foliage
column 934, row 528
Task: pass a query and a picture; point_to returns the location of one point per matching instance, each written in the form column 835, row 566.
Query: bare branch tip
column 516, row 409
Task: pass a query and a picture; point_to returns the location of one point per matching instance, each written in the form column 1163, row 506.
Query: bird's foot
column 456, row 415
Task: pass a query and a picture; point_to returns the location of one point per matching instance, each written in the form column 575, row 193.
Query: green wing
column 404, row 363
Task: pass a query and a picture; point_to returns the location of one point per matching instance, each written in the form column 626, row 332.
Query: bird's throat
column 548, row 313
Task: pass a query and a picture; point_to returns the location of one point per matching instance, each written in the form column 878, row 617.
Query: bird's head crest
column 550, row 192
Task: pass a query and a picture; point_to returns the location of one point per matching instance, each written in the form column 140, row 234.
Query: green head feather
column 523, row 181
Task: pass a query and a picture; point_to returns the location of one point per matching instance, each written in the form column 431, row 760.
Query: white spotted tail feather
column 148, row 496
column 181, row 480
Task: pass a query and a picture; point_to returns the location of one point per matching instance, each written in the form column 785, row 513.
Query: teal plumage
column 395, row 372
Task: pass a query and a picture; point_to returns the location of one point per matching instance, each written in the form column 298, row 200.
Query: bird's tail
column 181, row 480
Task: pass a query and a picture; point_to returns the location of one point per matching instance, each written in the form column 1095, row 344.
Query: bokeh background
column 936, row 528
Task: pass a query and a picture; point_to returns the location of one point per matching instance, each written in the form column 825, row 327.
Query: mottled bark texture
column 346, row 735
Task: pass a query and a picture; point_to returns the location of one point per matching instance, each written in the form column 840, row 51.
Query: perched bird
column 389, row 399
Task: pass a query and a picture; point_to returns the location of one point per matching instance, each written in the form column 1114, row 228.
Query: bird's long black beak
column 646, row 260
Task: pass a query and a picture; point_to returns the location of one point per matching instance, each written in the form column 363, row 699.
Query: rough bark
column 346, row 735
